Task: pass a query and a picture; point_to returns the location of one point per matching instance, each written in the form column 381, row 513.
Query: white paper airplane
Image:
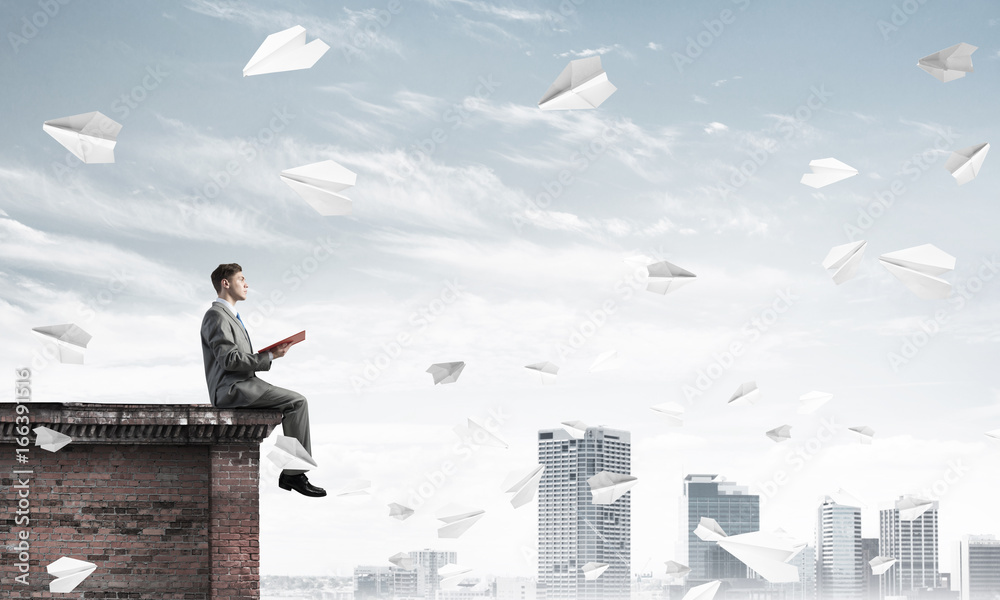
column 446, row 372
column 881, row 564
column 593, row 570
column 355, row 487
column 665, row 277
column 289, row 454
column 458, row 520
column 398, row 511
column 845, row 498
column 949, row 64
column 70, row 340
column 964, row 164
column 319, row 185
column 845, row 259
column 673, row 411
column 709, row 530
column 747, row 393
column 812, row 401
column 607, row 487
column 50, row 439
column 780, row 434
column 705, row 591
column 826, row 171
column 91, row 137
column 69, row 572
column 582, row 84
column 523, row 485
column 402, row 560
column 916, row 267
column 676, row 569
column 450, row 572
column 577, row 429
column 474, row 434
column 866, row 433
column 285, row 51
column 605, row 362
column 547, row 370
column 766, row 553
column 911, row 507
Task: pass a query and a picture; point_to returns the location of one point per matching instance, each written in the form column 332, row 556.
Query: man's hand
column 281, row 350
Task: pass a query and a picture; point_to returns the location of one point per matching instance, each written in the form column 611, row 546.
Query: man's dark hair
column 224, row 272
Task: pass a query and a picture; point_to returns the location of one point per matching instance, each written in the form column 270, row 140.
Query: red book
column 294, row 339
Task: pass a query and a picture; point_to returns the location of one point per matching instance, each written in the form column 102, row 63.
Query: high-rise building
column 805, row 587
column 839, row 562
column 426, row 562
column 733, row 508
column 572, row 530
column 977, row 567
column 373, row 583
column 870, row 585
column 914, row 545
column 515, row 588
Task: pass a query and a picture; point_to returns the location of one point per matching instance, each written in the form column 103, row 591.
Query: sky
column 488, row 231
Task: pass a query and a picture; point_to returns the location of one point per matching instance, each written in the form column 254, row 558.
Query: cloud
column 716, row 127
column 654, row 46
column 599, row 51
column 698, row 99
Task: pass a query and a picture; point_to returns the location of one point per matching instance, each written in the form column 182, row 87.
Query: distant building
column 733, row 508
column 572, row 530
column 373, row 583
column 426, row 563
column 839, row 564
column 515, row 588
column 914, row 544
column 870, row 585
column 977, row 568
column 805, row 589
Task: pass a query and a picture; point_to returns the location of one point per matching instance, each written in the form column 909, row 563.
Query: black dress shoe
column 300, row 484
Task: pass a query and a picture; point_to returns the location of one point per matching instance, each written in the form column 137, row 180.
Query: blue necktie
column 244, row 328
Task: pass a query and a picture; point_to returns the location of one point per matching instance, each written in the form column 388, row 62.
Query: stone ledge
column 170, row 424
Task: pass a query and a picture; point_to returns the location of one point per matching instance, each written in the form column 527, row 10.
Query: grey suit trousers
column 295, row 410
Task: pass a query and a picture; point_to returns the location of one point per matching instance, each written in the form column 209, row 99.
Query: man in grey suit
column 231, row 364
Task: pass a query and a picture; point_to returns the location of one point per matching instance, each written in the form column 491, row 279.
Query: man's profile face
column 237, row 285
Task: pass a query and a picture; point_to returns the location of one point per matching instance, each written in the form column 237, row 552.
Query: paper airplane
column 676, row 569
column 845, row 498
column 577, row 429
column 402, row 560
column 458, row 521
column 607, row 487
column 881, row 564
column 845, row 259
column 446, row 372
column 50, row 439
column 547, row 370
column 705, row 591
column 319, row 183
column 355, row 487
column 965, row 164
column 746, row 393
column 582, row 84
column 70, row 340
column 812, row 401
column 766, row 553
column 450, row 572
column 398, row 511
column 605, row 362
column 911, row 508
column 826, row 171
column 523, row 485
column 593, row 570
column 665, row 277
column 672, row 410
column 780, row 434
column 474, row 434
column 866, row 433
column 69, row 572
column 285, row 51
column 709, row 530
column 289, row 454
column 949, row 64
column 91, row 137
column 916, row 267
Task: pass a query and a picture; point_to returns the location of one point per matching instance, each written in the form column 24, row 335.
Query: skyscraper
column 572, row 530
column 914, row 544
column 839, row 560
column 733, row 508
column 870, row 587
column 427, row 562
column 977, row 568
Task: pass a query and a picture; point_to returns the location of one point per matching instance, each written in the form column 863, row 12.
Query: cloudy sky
column 487, row 231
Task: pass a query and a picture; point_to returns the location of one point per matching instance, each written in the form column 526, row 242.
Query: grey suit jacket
column 230, row 362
